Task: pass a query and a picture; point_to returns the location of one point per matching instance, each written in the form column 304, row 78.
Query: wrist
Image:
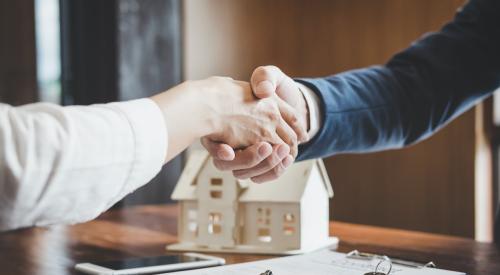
column 313, row 116
column 196, row 109
column 185, row 114
column 304, row 110
column 204, row 104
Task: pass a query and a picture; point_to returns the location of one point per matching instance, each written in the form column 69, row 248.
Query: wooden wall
column 18, row 84
column 428, row 187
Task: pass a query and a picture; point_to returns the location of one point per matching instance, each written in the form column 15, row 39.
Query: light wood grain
column 145, row 230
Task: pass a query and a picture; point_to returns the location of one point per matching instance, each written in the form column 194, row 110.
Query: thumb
column 265, row 80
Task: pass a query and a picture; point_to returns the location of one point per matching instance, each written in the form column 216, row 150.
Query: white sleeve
column 69, row 164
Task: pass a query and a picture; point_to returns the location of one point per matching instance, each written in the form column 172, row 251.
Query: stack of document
column 317, row 263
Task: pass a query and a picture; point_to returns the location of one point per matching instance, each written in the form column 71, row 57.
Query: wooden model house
column 221, row 213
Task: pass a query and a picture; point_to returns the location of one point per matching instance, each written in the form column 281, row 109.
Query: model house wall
column 189, row 219
column 217, row 207
column 316, row 201
column 272, row 224
column 221, row 213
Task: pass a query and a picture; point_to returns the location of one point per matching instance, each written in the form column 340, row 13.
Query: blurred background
column 92, row 51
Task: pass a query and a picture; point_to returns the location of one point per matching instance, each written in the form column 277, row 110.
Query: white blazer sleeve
column 69, row 164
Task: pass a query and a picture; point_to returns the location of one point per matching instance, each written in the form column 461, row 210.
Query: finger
column 265, row 80
column 289, row 114
column 279, row 153
column 286, row 133
column 274, row 173
column 218, row 150
column 246, row 158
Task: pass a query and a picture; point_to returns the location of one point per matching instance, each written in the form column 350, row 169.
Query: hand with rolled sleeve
column 226, row 111
column 263, row 162
column 69, row 164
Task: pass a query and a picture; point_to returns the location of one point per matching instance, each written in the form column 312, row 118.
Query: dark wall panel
column 88, row 37
column 18, row 84
column 117, row 50
column 149, row 61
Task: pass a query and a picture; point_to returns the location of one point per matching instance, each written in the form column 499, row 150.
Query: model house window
column 193, row 227
column 289, row 218
column 192, row 216
column 268, row 216
column 264, row 235
column 264, row 216
column 288, row 224
column 216, row 194
column 214, row 223
column 216, row 182
column 288, row 230
column 264, row 222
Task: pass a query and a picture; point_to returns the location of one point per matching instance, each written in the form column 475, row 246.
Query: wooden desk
column 144, row 231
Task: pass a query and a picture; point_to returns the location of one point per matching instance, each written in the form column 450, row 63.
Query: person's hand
column 226, row 111
column 243, row 119
column 261, row 162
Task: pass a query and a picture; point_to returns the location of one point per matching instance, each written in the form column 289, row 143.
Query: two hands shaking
column 252, row 129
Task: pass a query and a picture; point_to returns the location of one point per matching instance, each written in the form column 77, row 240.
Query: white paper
column 318, row 263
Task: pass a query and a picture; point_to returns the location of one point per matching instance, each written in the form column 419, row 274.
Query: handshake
column 252, row 129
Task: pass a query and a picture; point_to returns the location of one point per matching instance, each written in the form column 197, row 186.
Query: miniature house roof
column 289, row 187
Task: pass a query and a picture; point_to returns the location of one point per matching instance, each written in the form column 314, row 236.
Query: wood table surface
column 145, row 230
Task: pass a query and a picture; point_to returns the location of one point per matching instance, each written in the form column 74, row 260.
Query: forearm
column 187, row 114
column 416, row 93
column 69, row 164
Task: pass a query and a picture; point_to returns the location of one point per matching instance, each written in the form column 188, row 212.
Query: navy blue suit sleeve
column 416, row 93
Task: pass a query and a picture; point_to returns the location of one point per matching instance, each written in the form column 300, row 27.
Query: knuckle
column 266, row 72
column 264, row 133
column 263, row 70
column 270, row 68
column 294, row 119
column 273, row 68
column 274, row 116
column 271, row 161
column 260, row 69
column 254, row 159
column 278, row 170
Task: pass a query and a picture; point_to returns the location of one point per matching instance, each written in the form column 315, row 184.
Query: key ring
column 383, row 259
